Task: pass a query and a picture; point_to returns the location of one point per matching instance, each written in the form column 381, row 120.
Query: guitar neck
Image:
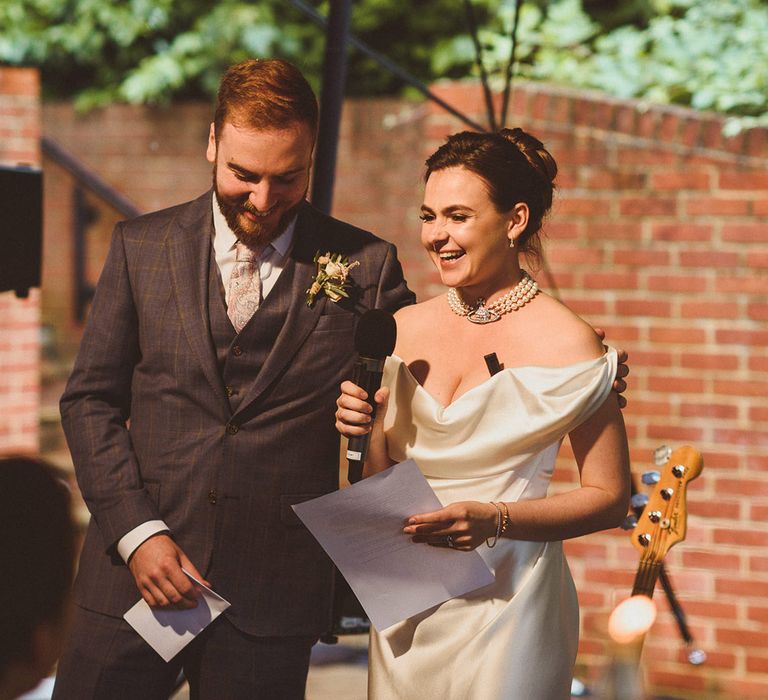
column 662, row 522
column 646, row 577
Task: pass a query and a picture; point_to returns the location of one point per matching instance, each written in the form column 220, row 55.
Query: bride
column 487, row 445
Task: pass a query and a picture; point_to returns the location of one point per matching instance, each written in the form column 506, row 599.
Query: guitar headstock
column 662, row 522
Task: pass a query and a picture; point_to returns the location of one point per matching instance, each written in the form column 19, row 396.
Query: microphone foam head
column 375, row 334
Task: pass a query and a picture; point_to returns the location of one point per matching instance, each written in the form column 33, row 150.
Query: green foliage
column 145, row 51
column 407, row 33
column 708, row 55
column 149, row 51
column 714, row 56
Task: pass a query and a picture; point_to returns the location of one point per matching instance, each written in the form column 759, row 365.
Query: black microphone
column 375, row 337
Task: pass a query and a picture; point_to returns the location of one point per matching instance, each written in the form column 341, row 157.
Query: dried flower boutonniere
column 331, row 278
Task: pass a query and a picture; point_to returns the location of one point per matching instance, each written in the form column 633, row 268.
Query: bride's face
column 465, row 236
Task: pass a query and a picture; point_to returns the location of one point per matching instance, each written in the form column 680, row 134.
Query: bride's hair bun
column 537, row 156
column 516, row 168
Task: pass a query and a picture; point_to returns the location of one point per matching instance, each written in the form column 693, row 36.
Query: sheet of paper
column 361, row 529
column 169, row 631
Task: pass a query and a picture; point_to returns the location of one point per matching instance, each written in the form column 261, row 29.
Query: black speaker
column 21, row 223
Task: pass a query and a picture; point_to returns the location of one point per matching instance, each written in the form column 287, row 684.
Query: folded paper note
column 169, row 631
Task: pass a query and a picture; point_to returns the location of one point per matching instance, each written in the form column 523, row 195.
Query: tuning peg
column 661, row 455
column 650, row 478
column 639, row 500
column 629, row 522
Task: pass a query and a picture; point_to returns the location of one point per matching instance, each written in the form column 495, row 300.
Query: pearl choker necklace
column 514, row 299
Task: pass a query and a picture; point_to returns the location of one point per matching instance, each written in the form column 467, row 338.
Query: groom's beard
column 255, row 234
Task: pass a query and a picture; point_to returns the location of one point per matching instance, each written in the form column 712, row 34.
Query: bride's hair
column 516, row 168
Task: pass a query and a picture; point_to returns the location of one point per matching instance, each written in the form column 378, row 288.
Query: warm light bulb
column 631, row 619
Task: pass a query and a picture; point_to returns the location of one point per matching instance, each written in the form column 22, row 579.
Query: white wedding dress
column 515, row 639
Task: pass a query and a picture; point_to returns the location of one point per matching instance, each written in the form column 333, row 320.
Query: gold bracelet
column 498, row 526
column 507, row 522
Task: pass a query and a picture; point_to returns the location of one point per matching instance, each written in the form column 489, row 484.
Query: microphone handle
column 367, row 375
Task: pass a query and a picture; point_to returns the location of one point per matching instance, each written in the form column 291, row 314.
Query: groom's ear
column 210, row 152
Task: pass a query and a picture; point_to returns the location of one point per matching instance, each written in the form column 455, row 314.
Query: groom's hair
column 265, row 94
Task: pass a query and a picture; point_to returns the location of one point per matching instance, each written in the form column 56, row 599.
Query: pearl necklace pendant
column 517, row 297
column 481, row 314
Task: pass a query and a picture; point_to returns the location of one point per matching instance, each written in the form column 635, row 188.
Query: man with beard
column 201, row 408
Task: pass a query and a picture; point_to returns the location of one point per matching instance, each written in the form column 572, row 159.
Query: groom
column 200, row 409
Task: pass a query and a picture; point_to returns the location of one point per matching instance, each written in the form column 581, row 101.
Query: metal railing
column 83, row 215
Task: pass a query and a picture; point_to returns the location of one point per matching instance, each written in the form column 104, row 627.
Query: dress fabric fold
column 517, row 638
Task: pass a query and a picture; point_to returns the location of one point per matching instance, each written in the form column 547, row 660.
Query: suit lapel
column 189, row 248
column 300, row 319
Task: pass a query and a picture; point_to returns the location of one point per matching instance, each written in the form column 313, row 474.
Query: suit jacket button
column 232, row 428
column 229, row 391
column 237, row 351
column 212, row 496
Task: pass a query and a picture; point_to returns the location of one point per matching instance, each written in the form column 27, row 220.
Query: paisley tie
column 244, row 287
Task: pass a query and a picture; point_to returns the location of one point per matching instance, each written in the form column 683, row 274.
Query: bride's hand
column 353, row 418
column 462, row 525
column 353, row 412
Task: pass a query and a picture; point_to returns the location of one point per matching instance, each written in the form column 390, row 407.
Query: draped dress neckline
column 522, row 371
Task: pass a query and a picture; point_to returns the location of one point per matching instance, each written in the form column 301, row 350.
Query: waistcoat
column 241, row 355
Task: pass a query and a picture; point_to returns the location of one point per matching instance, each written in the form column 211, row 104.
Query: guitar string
column 650, row 566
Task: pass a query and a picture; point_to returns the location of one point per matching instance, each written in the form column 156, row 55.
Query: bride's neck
column 491, row 290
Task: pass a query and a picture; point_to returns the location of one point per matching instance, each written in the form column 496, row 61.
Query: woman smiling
column 487, row 445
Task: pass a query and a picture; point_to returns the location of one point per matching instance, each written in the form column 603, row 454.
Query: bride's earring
column 511, row 242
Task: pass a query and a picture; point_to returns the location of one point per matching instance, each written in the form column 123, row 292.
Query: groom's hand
column 622, row 370
column 156, row 567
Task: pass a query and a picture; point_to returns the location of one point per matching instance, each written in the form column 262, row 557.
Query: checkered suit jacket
column 153, row 435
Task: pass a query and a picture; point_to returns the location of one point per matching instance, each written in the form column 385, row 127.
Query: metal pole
column 332, row 97
column 389, row 65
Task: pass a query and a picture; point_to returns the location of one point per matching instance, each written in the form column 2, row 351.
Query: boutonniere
column 331, row 277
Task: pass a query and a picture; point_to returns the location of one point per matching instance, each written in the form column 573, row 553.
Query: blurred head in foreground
column 631, row 619
column 37, row 546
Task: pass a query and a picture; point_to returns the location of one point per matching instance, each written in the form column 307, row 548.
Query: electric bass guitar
column 660, row 525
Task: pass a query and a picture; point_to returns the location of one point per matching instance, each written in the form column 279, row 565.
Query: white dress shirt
column 271, row 261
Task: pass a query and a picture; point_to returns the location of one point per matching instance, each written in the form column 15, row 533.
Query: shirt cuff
column 131, row 541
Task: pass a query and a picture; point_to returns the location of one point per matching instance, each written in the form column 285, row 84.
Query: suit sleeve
column 95, row 406
column 393, row 292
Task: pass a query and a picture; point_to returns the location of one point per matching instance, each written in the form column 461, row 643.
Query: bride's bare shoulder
column 562, row 336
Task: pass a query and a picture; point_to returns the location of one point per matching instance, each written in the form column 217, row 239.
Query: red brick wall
column 156, row 158
column 659, row 234
column 19, row 318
